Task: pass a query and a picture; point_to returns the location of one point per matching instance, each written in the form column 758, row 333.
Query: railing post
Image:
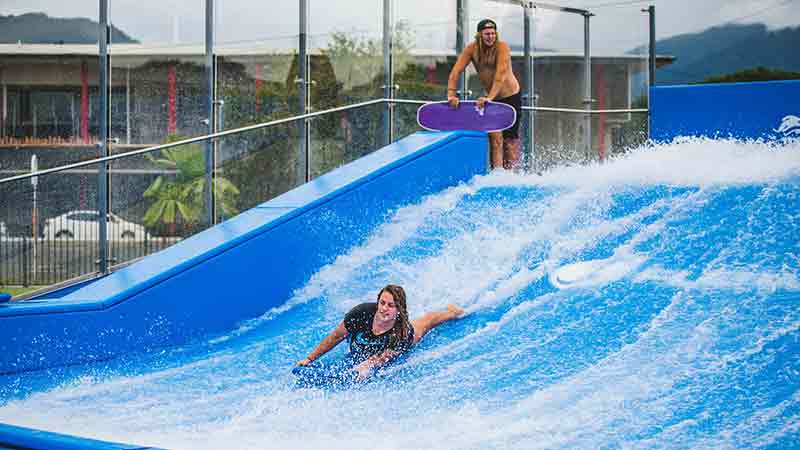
column 388, row 72
column 102, row 172
column 303, row 157
column 211, row 86
column 24, row 258
column 651, row 10
column 462, row 28
column 530, row 93
column 587, row 84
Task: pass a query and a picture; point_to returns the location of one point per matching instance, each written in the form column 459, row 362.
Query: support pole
column 303, row 157
column 652, row 60
column 462, row 28
column 211, row 84
column 652, row 12
column 128, row 105
column 530, row 94
column 388, row 72
column 4, row 111
column 102, row 172
column 587, row 85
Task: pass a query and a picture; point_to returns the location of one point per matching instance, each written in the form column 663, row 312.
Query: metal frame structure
column 214, row 109
column 103, row 194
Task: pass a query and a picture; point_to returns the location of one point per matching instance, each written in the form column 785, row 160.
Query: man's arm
column 461, row 63
column 332, row 340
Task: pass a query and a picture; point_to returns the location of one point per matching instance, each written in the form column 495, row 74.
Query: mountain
column 39, row 28
column 727, row 49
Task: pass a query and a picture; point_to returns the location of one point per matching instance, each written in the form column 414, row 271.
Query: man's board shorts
column 514, row 101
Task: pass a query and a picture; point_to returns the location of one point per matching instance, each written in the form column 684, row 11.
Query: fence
column 335, row 97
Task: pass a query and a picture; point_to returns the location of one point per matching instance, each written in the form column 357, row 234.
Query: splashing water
column 650, row 302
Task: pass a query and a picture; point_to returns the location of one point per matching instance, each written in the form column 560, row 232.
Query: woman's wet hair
column 401, row 325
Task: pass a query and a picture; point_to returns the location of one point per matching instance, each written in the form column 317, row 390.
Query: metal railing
column 68, row 250
column 56, row 254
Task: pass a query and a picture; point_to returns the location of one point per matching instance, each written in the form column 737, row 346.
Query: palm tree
column 182, row 196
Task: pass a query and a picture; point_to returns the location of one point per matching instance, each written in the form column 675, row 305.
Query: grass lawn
column 17, row 290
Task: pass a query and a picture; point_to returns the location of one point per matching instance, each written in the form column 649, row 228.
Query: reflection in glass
column 560, row 137
column 346, row 59
column 424, row 48
column 342, row 137
column 256, row 166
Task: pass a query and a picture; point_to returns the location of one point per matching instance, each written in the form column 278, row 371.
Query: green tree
column 180, row 198
column 758, row 74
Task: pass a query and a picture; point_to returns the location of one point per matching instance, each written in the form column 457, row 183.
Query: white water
column 674, row 323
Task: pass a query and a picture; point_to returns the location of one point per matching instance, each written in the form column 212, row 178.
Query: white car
column 85, row 226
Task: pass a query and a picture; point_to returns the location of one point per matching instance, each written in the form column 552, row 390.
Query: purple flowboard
column 439, row 116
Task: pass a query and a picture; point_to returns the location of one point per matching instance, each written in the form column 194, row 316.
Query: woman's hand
column 363, row 370
column 305, row 362
column 453, row 101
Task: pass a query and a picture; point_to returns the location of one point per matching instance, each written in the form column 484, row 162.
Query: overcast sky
column 618, row 25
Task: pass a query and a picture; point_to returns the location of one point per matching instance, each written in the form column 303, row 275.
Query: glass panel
column 558, row 59
column 346, row 52
column 44, row 238
column 339, row 138
column 620, row 57
column 256, row 166
column 424, row 48
column 158, row 95
column 48, row 85
column 618, row 77
column 257, row 61
column 615, row 134
column 156, row 200
column 158, row 86
column 405, row 120
column 560, row 137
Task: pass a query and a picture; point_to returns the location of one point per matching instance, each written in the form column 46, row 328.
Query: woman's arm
column 461, row 63
column 333, row 339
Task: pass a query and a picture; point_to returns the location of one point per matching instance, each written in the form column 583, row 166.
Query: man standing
column 492, row 60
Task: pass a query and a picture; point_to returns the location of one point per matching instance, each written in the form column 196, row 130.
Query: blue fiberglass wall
column 238, row 269
column 766, row 110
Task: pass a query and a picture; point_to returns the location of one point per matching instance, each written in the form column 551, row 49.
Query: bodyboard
column 339, row 374
column 440, row 116
column 325, row 376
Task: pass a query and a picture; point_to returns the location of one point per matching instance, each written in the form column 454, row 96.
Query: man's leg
column 511, row 159
column 496, row 149
column 431, row 320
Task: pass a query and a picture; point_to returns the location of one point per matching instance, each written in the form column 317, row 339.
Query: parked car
column 85, row 225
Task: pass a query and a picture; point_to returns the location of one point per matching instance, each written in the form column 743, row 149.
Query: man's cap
column 486, row 23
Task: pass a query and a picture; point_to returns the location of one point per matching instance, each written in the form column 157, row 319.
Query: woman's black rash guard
column 363, row 343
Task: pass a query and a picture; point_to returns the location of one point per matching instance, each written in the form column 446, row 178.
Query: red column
column 601, row 104
column 430, row 73
column 171, row 77
column 258, row 88
column 85, row 102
